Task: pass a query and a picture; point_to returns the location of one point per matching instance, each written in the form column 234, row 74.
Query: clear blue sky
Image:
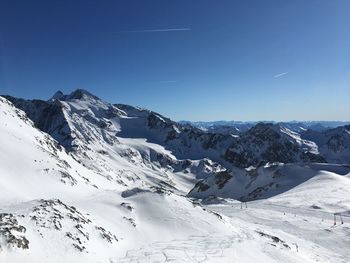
column 193, row 60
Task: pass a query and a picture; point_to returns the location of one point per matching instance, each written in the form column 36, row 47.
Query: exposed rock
column 12, row 232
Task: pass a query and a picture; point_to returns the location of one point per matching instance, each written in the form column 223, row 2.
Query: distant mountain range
column 237, row 127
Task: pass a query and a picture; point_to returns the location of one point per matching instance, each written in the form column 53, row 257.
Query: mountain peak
column 78, row 94
column 81, row 93
column 58, row 95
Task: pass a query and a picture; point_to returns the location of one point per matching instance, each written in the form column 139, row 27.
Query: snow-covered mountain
column 112, row 138
column 82, row 121
column 86, row 180
column 333, row 144
column 36, row 174
column 238, row 127
column 223, row 127
column 57, row 205
column 263, row 182
column 267, row 142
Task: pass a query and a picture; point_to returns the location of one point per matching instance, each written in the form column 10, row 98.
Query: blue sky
column 193, row 60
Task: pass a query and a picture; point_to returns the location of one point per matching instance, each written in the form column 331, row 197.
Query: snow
column 268, row 181
column 157, row 215
column 303, row 215
column 120, row 198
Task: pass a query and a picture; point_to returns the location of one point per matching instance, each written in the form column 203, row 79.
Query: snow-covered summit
column 78, row 94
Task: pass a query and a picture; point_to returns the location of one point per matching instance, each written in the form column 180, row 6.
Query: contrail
column 160, row 30
column 165, row 81
column 280, row 75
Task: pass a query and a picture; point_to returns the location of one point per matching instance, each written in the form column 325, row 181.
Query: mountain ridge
column 183, row 141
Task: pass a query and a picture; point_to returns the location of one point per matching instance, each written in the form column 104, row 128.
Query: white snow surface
column 114, row 203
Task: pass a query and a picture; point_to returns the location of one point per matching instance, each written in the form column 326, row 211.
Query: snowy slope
column 35, row 173
column 95, row 182
column 32, row 160
column 263, row 182
column 54, row 208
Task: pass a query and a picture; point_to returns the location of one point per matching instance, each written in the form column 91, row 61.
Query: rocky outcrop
column 270, row 143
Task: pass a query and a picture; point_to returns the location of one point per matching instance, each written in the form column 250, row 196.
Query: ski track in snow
column 193, row 249
column 310, row 235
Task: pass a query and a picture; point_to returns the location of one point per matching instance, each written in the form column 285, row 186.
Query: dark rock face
column 221, row 178
column 167, row 126
column 154, row 121
column 275, row 239
column 47, row 116
column 79, row 93
column 338, row 139
column 58, row 95
column 313, row 158
column 75, row 95
column 266, row 143
column 240, row 159
column 263, row 132
column 12, row 232
column 201, row 187
column 334, row 144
